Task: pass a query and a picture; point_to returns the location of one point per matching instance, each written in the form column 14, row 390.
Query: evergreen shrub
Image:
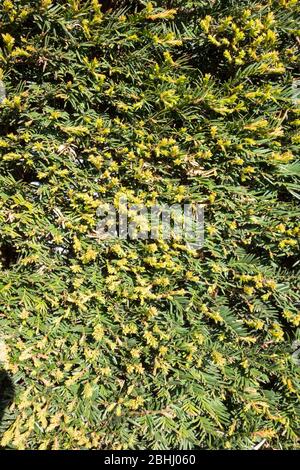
column 148, row 344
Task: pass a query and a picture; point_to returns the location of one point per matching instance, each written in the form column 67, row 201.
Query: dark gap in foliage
column 289, row 262
column 284, row 195
column 8, row 255
column 7, row 392
column 7, row 126
column 23, row 173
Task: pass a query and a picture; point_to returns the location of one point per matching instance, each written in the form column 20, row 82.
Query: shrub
column 123, row 344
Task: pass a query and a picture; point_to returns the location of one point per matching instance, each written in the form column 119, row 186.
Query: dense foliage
column 117, row 344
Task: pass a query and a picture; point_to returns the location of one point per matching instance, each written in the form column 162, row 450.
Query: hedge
column 149, row 344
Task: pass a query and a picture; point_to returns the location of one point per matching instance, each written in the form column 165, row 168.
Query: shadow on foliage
column 7, row 392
